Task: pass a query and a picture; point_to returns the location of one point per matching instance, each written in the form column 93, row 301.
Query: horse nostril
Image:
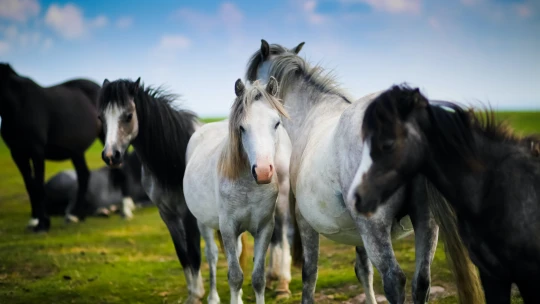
column 271, row 168
column 358, row 200
column 116, row 154
column 253, row 171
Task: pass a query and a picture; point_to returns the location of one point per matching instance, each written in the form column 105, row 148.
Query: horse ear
column 105, row 82
column 272, row 87
column 239, row 87
column 265, row 49
column 419, row 100
column 136, row 85
column 298, row 48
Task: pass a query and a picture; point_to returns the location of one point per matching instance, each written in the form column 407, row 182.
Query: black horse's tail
column 465, row 273
column 296, row 248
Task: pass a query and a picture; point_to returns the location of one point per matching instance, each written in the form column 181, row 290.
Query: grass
column 117, row 261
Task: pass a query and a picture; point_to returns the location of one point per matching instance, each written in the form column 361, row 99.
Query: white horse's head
column 260, row 63
column 253, row 131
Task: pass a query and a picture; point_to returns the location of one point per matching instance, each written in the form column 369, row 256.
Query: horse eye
column 129, row 117
column 387, row 145
column 242, row 129
column 277, row 125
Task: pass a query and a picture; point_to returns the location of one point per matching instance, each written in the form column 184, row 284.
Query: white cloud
column 524, row 10
column 99, row 22
column 392, row 6
column 4, row 47
column 124, row 22
column 228, row 16
column 173, row 43
column 19, row 10
column 47, row 43
column 15, row 38
column 69, row 22
column 312, row 16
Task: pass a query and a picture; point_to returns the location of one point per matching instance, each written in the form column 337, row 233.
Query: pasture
column 117, row 261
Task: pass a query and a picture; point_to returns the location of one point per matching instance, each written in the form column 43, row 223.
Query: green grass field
column 117, row 261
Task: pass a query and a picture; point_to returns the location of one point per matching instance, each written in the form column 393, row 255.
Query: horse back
column 89, row 88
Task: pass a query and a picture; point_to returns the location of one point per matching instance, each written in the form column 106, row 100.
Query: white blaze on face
column 365, row 165
column 260, row 139
column 112, row 117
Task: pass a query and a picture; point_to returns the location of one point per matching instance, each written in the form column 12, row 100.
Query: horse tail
column 296, row 248
column 243, row 255
column 465, row 273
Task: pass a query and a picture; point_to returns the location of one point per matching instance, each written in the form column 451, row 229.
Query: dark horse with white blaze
column 54, row 123
column 145, row 118
column 486, row 178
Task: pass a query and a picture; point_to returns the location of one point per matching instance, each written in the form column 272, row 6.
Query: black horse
column 104, row 195
column 54, row 123
column 489, row 179
column 146, row 118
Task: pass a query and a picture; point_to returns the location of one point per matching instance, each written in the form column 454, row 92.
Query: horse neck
column 304, row 111
column 162, row 141
column 463, row 182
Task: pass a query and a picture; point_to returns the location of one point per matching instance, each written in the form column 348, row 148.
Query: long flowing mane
column 233, row 160
column 454, row 125
column 164, row 131
column 288, row 67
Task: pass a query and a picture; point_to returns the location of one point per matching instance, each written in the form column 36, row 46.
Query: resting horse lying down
column 104, row 194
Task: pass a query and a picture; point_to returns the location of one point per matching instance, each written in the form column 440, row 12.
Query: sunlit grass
column 117, row 261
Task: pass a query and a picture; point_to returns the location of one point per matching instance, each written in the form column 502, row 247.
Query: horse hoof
column 103, row 212
column 70, row 218
column 43, row 226
column 33, row 222
column 283, row 295
column 193, row 300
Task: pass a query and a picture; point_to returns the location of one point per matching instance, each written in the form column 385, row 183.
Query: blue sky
column 462, row 50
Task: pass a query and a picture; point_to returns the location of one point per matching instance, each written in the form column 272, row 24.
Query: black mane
column 453, row 126
column 164, row 131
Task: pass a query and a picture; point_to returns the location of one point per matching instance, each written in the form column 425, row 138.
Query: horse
column 235, row 170
column 159, row 133
column 486, row 178
column 326, row 151
column 104, row 195
column 54, row 123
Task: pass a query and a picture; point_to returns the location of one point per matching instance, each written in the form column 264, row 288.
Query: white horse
column 234, row 173
column 325, row 129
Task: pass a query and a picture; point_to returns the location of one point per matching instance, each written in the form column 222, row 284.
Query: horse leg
column 310, row 247
column 211, row 251
column 378, row 244
column 364, row 273
column 426, row 234
column 44, row 223
column 80, row 209
column 23, row 164
column 186, row 238
column 496, row 291
column 279, row 267
column 231, row 241
column 262, row 240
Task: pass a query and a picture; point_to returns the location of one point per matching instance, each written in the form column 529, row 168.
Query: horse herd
column 296, row 154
